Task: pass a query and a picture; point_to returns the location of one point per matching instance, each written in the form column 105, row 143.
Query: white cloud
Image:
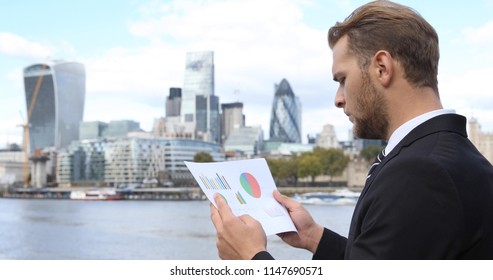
column 131, row 84
column 14, row 45
column 481, row 35
column 253, row 49
column 111, row 108
column 465, row 76
column 470, row 89
column 142, row 71
column 243, row 21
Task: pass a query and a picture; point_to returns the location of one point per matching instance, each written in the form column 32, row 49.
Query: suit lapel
column 448, row 122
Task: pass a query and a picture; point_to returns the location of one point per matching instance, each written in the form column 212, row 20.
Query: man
column 429, row 194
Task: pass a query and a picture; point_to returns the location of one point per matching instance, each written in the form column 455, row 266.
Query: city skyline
column 135, row 51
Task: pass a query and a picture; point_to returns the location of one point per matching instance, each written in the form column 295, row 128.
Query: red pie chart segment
column 250, row 184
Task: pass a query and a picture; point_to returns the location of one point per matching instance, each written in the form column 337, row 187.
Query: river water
column 32, row 229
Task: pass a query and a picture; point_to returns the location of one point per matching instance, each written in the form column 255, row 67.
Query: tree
column 202, row 157
column 290, row 169
column 275, row 169
column 370, row 153
column 309, row 165
column 283, row 169
column 333, row 161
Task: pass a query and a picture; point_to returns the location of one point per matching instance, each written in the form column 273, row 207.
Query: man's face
column 362, row 102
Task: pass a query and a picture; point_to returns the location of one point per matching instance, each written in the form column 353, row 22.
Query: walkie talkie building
column 56, row 91
column 285, row 121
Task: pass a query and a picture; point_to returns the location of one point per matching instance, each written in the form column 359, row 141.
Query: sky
column 134, row 51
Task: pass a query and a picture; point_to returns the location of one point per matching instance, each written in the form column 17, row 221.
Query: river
column 33, row 229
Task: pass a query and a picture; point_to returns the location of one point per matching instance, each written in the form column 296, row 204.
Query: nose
column 339, row 100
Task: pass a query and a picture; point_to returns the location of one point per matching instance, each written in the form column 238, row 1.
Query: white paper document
column 247, row 187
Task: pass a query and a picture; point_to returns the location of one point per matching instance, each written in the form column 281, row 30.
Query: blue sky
column 134, row 51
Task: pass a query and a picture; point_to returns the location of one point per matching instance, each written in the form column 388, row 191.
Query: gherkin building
column 285, row 120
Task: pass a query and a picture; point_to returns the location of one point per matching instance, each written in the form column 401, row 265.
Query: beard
column 373, row 122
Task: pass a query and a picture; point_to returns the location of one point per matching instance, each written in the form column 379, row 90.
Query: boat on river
column 96, row 194
column 338, row 197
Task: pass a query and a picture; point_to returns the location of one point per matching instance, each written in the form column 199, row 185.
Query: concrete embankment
column 186, row 193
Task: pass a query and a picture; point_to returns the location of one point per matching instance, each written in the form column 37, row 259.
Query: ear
column 383, row 66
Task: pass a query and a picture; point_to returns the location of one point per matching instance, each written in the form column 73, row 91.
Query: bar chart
column 215, row 183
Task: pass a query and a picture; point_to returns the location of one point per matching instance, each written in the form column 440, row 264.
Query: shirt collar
column 408, row 126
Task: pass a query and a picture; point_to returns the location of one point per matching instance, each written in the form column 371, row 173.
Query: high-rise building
column 208, row 122
column 231, row 118
column 55, row 95
column 199, row 81
column 285, row 120
column 173, row 102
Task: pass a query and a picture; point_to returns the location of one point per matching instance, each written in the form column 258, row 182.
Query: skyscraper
column 231, row 118
column 173, row 102
column 199, row 81
column 208, row 122
column 56, row 92
column 285, row 120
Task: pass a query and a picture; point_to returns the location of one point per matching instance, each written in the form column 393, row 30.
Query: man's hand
column 237, row 237
column 309, row 232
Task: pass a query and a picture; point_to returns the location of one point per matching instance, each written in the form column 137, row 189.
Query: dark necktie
column 378, row 160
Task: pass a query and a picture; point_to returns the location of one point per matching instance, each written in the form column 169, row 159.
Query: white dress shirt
column 404, row 129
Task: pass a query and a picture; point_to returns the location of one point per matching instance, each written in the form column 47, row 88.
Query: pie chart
column 223, row 197
column 250, row 184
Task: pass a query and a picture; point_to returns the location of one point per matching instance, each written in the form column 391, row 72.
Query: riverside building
column 126, row 161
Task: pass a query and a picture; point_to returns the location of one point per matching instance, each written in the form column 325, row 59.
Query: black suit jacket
column 430, row 198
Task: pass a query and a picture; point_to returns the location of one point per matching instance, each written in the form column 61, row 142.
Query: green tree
column 290, row 169
column 370, row 153
column 275, row 168
column 333, row 161
column 309, row 165
column 202, row 157
column 283, row 170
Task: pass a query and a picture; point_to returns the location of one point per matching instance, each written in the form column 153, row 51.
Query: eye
column 342, row 81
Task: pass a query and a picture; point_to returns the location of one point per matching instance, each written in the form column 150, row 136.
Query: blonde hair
column 400, row 30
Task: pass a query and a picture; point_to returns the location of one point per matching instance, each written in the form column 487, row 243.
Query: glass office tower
column 173, row 103
column 285, row 121
column 208, row 122
column 231, row 118
column 56, row 93
column 199, row 81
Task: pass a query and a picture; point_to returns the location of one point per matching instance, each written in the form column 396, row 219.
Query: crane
column 26, row 126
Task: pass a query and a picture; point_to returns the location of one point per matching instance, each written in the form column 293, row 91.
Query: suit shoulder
column 415, row 176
